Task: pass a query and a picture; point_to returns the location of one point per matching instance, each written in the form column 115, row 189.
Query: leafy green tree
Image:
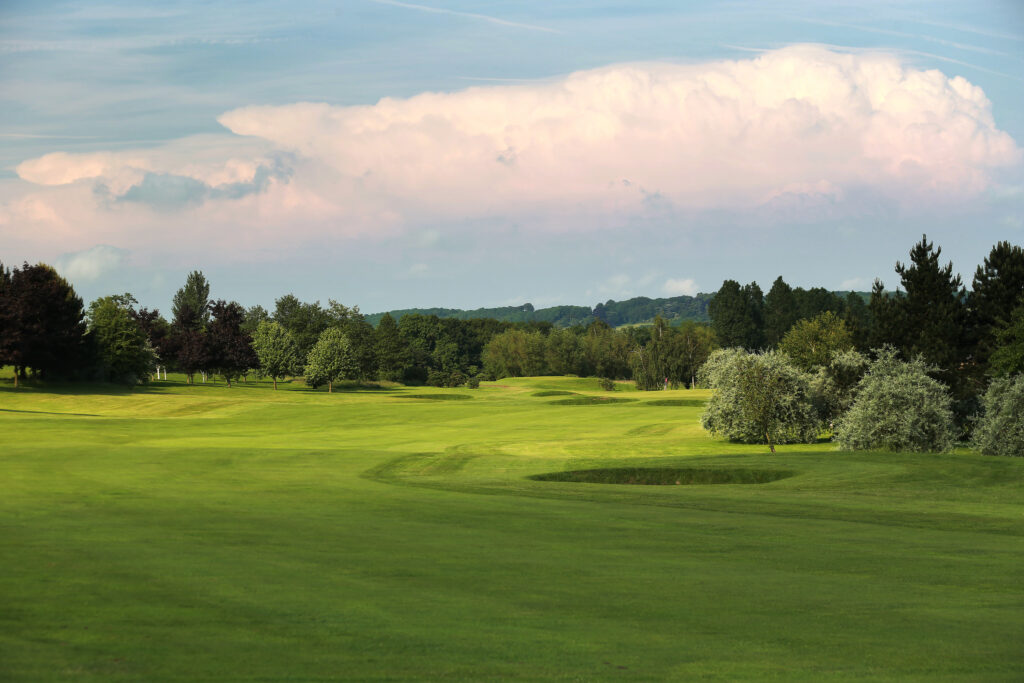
column 254, row 315
column 41, row 322
column 1000, row 429
column 649, row 366
column 191, row 303
column 693, row 345
column 1008, row 356
column 780, row 312
column 737, row 315
column 360, row 333
column 330, row 359
column 759, row 398
column 997, row 288
column 392, row 354
column 604, row 352
column 899, row 407
column 652, row 364
column 562, row 352
column 276, row 350
column 230, row 349
column 515, row 353
column 813, row 343
column 306, row 321
column 122, row 347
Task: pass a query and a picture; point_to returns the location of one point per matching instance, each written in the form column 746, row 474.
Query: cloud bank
column 91, row 264
column 803, row 124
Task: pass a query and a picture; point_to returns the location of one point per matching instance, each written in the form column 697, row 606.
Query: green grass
column 203, row 533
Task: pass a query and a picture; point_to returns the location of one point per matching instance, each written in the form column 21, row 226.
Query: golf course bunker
column 589, row 401
column 436, row 397
column 665, row 476
column 684, row 402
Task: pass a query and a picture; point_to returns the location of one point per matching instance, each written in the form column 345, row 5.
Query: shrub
column 835, row 385
column 606, row 384
column 759, row 398
column 898, row 408
column 473, row 382
column 1000, row 429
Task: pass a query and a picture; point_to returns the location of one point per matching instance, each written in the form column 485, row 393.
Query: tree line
column 920, row 368
column 968, row 336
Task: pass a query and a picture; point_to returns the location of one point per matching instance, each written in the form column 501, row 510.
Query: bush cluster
column 1000, row 428
column 898, row 407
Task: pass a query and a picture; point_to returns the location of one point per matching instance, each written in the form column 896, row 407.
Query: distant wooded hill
column 640, row 309
column 637, row 310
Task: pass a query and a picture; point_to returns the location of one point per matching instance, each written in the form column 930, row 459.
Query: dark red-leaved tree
column 186, row 345
column 42, row 321
column 230, row 348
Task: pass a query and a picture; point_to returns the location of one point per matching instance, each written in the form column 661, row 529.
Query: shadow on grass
column 46, row 412
column 437, row 397
column 666, row 476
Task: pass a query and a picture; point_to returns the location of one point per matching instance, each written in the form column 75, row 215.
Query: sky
column 463, row 154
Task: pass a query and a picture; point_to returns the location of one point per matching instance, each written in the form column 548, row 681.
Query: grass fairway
column 204, row 533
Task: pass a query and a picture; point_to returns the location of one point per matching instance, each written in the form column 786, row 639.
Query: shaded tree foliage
column 1008, row 355
column 934, row 312
column 997, row 288
column 737, row 315
column 230, row 350
column 391, row 351
column 42, row 324
column 780, row 312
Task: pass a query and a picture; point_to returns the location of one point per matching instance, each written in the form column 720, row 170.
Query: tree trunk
column 275, row 383
column 330, row 386
column 768, row 437
column 228, row 380
column 15, row 376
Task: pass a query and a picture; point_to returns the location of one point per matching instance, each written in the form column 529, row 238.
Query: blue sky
column 464, row 154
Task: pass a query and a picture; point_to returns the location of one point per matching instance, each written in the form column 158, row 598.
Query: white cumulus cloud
column 91, row 264
column 674, row 287
column 803, row 126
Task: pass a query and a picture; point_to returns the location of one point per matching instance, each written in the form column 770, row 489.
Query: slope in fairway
column 198, row 532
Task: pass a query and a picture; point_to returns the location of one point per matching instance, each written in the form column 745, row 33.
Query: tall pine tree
column 737, row 315
column 998, row 285
column 934, row 310
column 780, row 312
